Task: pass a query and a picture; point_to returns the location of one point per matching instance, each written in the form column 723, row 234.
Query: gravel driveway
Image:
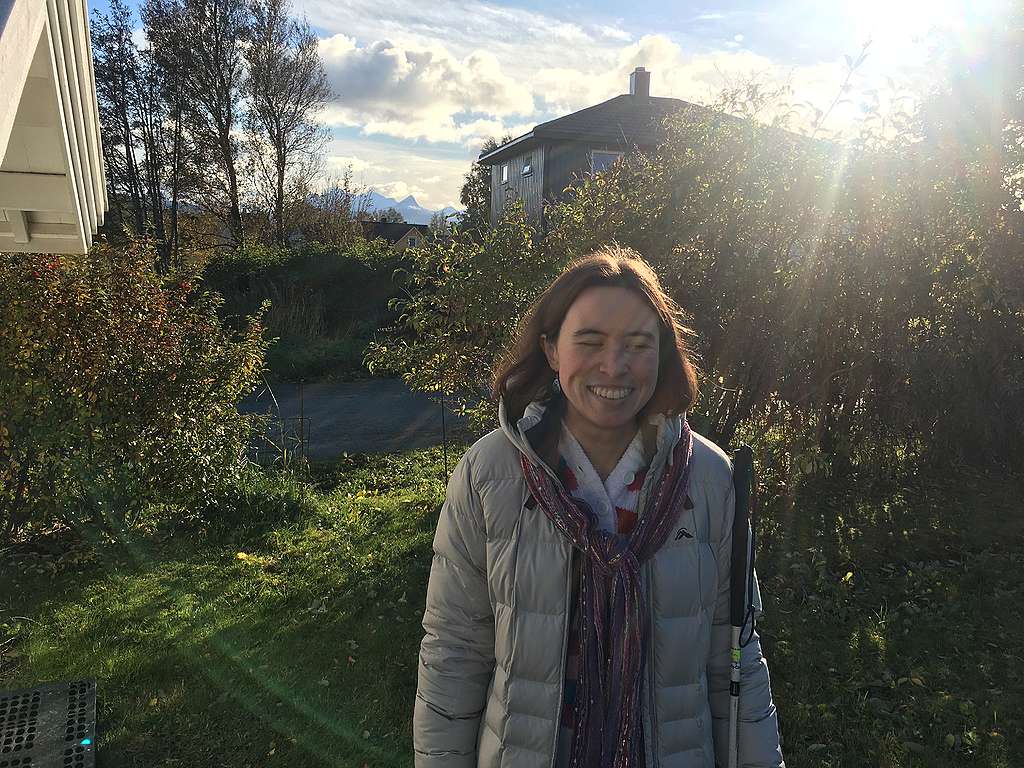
column 374, row 416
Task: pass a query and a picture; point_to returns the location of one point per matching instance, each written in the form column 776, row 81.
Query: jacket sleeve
column 758, row 730
column 457, row 653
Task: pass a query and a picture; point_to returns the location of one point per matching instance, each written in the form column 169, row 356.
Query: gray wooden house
column 537, row 167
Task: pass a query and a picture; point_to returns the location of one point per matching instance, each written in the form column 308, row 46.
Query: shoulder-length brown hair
column 523, row 375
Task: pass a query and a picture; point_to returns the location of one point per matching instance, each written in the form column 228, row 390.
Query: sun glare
column 881, row 19
column 902, row 31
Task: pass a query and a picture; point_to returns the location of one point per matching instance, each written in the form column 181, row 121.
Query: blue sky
column 422, row 83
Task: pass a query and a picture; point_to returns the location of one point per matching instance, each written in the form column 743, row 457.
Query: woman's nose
column 613, row 360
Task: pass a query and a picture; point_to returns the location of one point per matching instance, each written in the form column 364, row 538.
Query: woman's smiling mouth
column 610, row 393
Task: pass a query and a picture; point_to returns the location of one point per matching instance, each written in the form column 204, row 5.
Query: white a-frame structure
column 52, row 186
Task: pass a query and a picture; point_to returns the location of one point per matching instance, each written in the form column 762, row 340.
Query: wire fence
column 285, row 439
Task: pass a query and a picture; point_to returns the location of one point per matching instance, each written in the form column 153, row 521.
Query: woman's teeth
column 611, row 393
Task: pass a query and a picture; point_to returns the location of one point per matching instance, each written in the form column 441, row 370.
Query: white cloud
column 399, row 190
column 340, row 163
column 614, row 33
column 460, row 71
column 427, row 94
column 519, row 38
column 434, row 181
column 701, row 77
column 140, row 39
column 420, row 92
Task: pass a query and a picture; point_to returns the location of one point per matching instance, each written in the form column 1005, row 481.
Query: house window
column 528, row 166
column 601, row 160
column 504, row 174
column 412, row 242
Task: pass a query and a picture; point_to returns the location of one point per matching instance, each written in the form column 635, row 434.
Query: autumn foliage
column 869, row 296
column 117, row 388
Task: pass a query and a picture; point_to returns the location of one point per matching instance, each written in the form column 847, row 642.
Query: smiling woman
column 606, row 360
column 578, row 605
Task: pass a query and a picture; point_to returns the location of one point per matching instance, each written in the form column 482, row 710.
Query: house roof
column 626, row 119
column 391, row 231
column 53, row 192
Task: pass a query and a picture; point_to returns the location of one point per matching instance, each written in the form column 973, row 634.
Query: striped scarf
column 613, row 632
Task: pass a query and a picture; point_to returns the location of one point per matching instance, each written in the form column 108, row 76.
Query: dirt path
column 375, row 416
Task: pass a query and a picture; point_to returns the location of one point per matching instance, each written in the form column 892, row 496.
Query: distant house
column 537, row 167
column 400, row 235
column 53, row 192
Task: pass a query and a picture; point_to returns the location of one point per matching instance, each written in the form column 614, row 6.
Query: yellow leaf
column 152, row 702
column 242, row 556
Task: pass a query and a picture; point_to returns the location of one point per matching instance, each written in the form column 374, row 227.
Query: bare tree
column 286, row 86
column 211, row 35
column 331, row 215
column 117, row 76
column 389, row 215
column 130, row 88
column 162, row 23
column 152, row 125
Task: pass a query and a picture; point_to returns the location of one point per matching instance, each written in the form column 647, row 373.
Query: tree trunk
column 279, row 201
column 175, row 182
column 234, row 211
column 132, row 169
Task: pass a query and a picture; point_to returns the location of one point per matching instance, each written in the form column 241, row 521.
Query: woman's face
column 606, row 356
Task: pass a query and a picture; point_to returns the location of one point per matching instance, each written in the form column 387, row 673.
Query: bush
column 117, row 388
column 325, row 302
column 465, row 296
column 872, row 292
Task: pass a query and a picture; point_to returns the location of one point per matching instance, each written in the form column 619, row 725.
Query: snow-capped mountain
column 411, row 211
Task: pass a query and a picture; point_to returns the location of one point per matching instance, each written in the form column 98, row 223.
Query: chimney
column 640, row 82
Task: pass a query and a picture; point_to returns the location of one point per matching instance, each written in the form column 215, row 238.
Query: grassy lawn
column 267, row 650
column 892, row 624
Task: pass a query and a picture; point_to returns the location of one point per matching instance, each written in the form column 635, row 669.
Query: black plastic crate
column 49, row 726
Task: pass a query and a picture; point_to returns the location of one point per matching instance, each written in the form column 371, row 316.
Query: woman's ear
column 550, row 350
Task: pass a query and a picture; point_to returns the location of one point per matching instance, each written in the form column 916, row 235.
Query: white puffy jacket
column 491, row 664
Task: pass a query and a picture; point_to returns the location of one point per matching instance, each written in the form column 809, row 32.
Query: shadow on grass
column 298, row 652
column 891, row 616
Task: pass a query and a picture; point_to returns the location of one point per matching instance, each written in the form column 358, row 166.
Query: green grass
column 294, row 643
column 276, row 650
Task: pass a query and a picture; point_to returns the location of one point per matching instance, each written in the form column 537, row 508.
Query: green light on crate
column 86, row 742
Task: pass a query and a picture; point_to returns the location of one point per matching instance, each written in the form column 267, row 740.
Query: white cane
column 740, row 583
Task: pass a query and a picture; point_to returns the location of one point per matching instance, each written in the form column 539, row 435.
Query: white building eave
column 52, row 184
